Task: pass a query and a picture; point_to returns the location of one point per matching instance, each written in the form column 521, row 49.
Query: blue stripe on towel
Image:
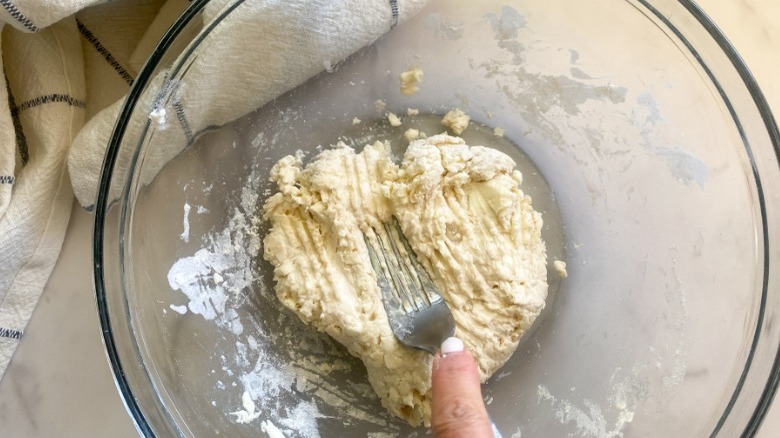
column 18, row 16
column 394, row 10
column 89, row 36
column 21, row 140
column 50, row 98
column 10, row 333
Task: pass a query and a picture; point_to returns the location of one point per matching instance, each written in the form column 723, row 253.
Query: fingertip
column 451, row 345
column 453, row 360
column 457, row 406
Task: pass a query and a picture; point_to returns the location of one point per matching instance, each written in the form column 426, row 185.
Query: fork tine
column 409, row 286
column 396, row 269
column 430, row 293
column 376, row 264
column 416, row 311
column 383, row 267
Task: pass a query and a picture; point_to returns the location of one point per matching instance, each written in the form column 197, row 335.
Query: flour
column 284, row 376
column 588, row 418
column 272, row 431
column 678, row 325
column 194, row 276
column 181, row 310
column 185, row 235
column 606, row 420
column 248, row 413
column 158, row 117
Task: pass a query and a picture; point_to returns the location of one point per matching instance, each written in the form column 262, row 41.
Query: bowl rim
column 133, row 95
column 771, row 386
column 194, row 9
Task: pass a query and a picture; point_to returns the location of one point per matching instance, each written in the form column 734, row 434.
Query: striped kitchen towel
column 67, row 66
column 269, row 47
column 59, row 66
column 41, row 109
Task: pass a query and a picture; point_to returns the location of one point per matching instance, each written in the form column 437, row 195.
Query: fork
column 418, row 315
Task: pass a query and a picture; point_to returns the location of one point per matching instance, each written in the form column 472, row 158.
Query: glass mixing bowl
column 644, row 142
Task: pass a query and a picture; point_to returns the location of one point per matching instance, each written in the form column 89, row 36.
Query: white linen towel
column 269, row 47
column 68, row 70
column 45, row 109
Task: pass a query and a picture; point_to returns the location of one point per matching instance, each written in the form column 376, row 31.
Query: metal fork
column 418, row 315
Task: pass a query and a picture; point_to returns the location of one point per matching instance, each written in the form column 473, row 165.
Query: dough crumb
column 498, row 132
column 412, row 112
column 328, row 66
column 356, row 121
column 393, row 119
column 411, row 134
column 560, row 268
column 380, row 105
column 456, row 120
column 410, row 79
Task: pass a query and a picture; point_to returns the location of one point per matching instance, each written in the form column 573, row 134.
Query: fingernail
column 451, row 345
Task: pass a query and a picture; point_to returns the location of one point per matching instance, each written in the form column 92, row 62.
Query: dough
column 411, row 134
column 456, row 120
column 393, row 119
column 466, row 217
column 410, row 79
column 560, row 268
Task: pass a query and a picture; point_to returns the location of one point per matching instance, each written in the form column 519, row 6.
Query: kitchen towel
column 67, row 66
column 55, row 74
column 268, row 48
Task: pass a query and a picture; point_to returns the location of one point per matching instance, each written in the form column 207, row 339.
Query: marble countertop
column 72, row 394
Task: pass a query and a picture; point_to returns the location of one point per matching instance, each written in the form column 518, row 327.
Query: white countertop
column 71, row 392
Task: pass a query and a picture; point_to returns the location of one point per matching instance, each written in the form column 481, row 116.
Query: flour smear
column 282, row 379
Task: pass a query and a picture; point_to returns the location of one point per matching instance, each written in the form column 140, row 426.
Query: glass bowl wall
column 652, row 155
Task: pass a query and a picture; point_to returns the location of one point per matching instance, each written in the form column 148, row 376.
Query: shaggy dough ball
column 466, row 217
